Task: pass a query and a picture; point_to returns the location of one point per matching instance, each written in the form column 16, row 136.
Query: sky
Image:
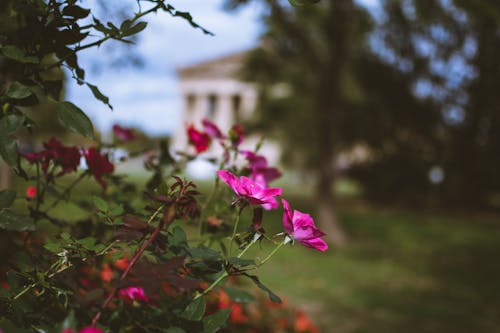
column 147, row 97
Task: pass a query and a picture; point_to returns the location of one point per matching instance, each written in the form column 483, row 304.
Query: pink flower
column 98, row 165
column 259, row 170
column 301, row 227
column 133, row 294
column 31, row 192
column 252, row 192
column 212, row 130
column 198, row 139
column 91, row 329
column 124, row 134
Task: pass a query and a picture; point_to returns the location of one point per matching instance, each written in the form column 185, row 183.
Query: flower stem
column 273, row 252
column 225, row 273
column 235, row 229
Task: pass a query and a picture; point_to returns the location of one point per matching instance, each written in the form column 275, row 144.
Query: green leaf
column 239, row 296
column 18, row 90
column 74, row 119
column 76, row 11
column 99, row 95
column 272, row 296
column 11, row 123
column 178, row 237
column 8, row 149
column 194, row 310
column 241, row 262
column 88, row 243
column 175, row 330
column 7, row 198
column 116, row 210
column 214, row 322
column 100, row 204
column 135, row 29
column 53, row 247
column 15, row 222
column 15, row 53
column 204, row 253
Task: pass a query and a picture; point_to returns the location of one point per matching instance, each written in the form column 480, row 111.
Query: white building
column 213, row 90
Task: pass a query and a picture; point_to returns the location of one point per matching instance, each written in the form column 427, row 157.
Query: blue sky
column 147, row 97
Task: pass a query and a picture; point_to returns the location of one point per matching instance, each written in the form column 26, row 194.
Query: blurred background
column 385, row 118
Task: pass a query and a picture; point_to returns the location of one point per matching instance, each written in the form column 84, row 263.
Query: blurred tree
column 452, row 49
column 324, row 92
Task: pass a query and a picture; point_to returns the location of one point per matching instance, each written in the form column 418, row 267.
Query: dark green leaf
column 214, row 322
column 15, row 222
column 76, row 11
column 8, row 150
column 135, row 29
column 99, row 95
column 15, row 53
column 239, row 296
column 116, row 210
column 18, row 90
column 7, row 197
column 204, row 253
column 272, row 296
column 71, row 117
column 11, row 123
column 175, row 330
column 195, row 309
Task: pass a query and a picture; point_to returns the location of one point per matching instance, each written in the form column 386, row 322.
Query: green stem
column 235, row 229
column 273, row 252
column 225, row 273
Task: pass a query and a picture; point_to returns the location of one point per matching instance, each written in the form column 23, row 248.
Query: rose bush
column 119, row 257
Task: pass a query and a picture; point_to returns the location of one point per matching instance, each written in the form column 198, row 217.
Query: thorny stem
column 60, row 270
column 137, row 256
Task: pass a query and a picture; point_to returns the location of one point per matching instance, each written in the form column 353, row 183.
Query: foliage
column 126, row 263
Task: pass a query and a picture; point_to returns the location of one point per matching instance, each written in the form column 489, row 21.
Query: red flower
column 124, row 134
column 99, row 165
column 200, row 141
column 106, row 273
column 68, row 158
column 31, row 192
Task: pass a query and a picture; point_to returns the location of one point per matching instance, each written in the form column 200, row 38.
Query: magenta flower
column 301, row 227
column 133, row 294
column 259, row 170
column 91, row 329
column 212, row 130
column 251, row 191
column 124, row 134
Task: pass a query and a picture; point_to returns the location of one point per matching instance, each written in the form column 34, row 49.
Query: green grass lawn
column 402, row 272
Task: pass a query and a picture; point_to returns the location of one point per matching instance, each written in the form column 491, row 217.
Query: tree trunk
column 329, row 106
